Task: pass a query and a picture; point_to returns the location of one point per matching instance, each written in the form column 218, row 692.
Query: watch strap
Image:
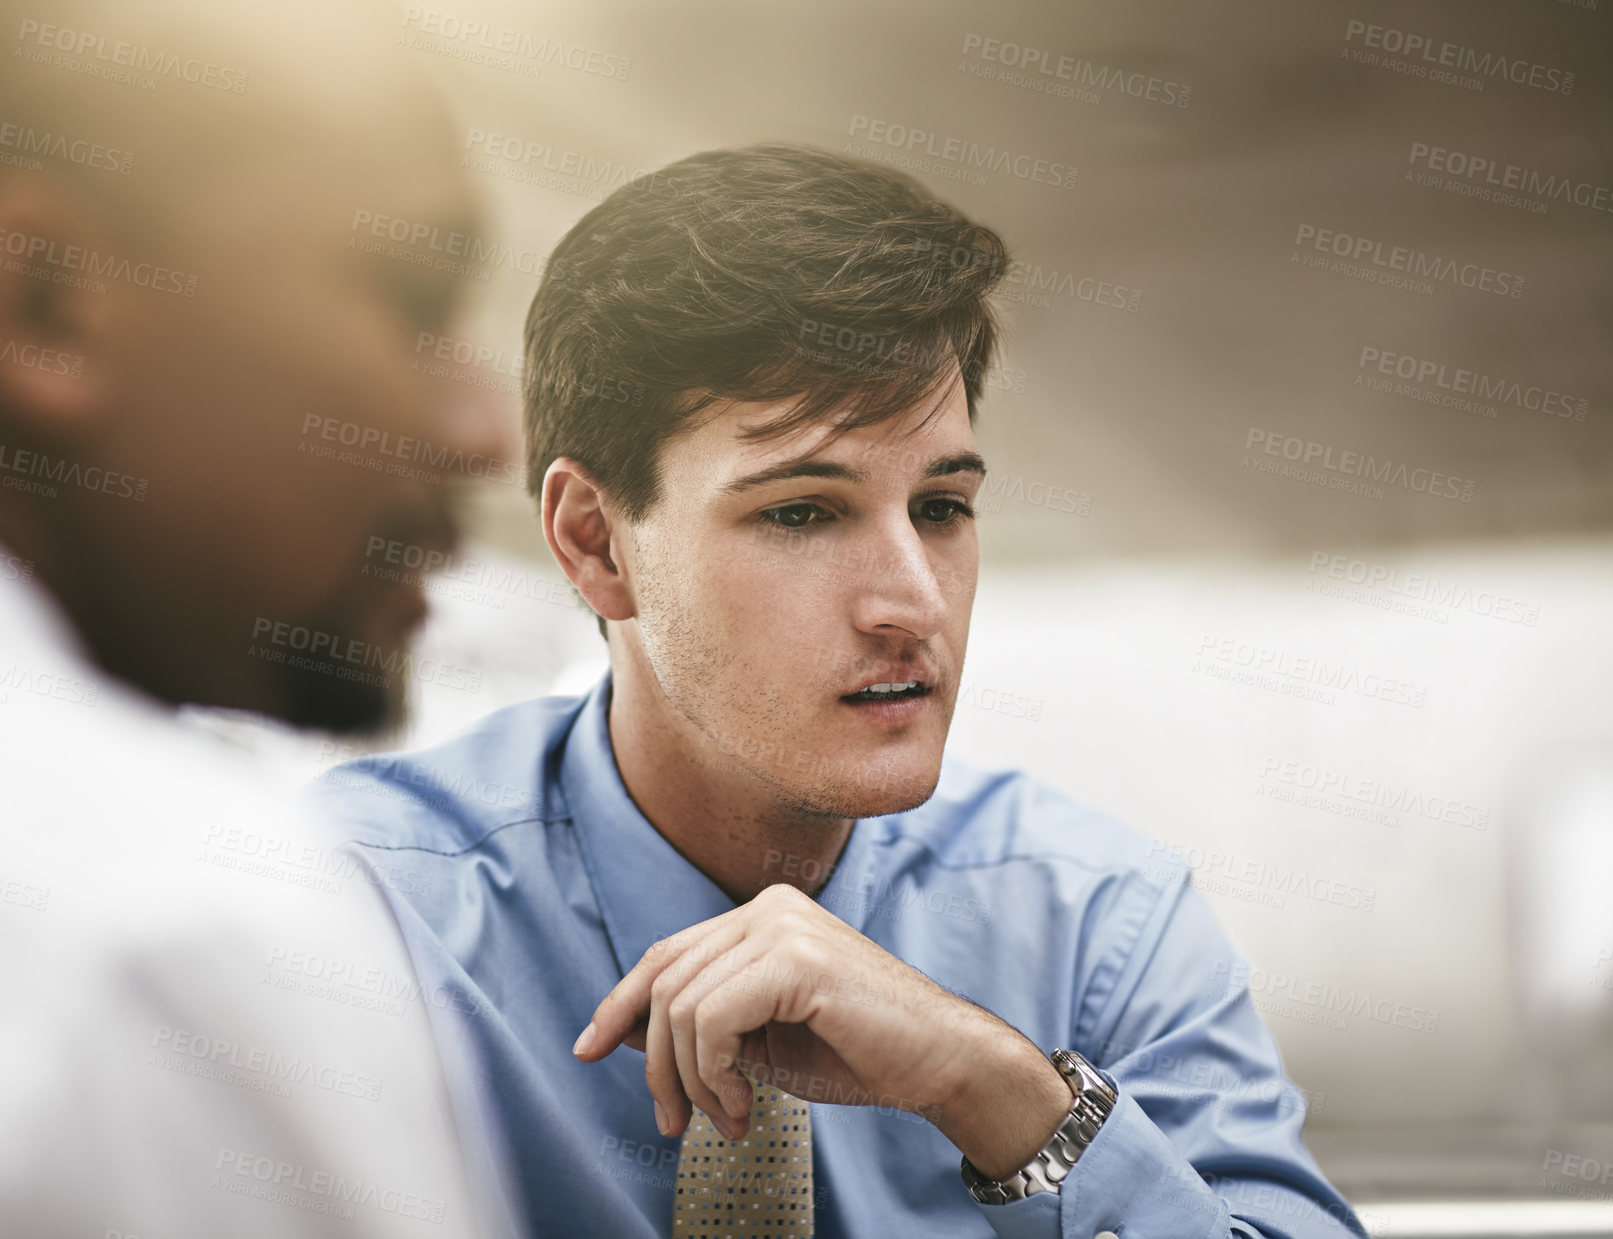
column 1094, row 1099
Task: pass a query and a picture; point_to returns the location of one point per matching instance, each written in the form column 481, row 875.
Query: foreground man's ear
column 53, row 320
column 582, row 535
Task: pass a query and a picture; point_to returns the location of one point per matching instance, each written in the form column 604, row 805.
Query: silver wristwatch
column 1094, row 1099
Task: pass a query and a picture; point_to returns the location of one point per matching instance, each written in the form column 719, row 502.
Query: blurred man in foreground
column 751, row 384
column 210, row 1024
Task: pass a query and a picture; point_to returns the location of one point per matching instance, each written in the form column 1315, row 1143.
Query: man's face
column 762, row 606
column 300, row 458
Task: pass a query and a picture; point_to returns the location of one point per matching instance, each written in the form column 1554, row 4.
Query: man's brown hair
column 755, row 274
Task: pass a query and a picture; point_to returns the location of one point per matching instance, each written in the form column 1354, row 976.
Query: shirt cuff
column 1035, row 1217
column 1129, row 1177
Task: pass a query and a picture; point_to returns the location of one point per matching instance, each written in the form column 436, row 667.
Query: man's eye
column 940, row 513
column 423, row 301
column 952, row 511
column 791, row 516
column 426, row 305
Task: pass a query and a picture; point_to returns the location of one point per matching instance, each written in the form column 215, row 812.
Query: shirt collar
column 647, row 890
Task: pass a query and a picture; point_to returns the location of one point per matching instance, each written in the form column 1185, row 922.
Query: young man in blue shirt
column 751, row 382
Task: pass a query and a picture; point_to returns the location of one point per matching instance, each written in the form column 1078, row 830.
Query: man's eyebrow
column 811, row 467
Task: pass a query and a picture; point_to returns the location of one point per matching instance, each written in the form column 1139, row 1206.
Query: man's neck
column 721, row 818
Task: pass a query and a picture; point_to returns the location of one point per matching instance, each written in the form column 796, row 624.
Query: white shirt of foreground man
column 209, row 1025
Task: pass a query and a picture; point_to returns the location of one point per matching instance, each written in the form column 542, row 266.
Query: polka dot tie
column 761, row 1185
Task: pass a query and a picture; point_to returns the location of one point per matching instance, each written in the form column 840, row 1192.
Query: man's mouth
column 899, row 690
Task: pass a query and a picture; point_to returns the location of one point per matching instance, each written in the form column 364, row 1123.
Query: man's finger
column 715, row 1089
column 635, row 1039
column 629, row 1000
column 661, row 1070
column 735, row 1013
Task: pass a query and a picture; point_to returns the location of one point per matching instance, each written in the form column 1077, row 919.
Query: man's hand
column 786, row 991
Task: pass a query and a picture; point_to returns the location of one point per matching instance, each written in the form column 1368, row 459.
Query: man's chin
column 324, row 695
column 896, row 799
column 351, row 676
column 876, row 794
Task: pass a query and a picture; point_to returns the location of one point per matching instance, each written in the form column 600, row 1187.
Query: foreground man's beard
column 349, row 686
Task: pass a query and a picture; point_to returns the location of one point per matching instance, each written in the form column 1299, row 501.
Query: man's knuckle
column 705, row 1019
column 786, row 925
column 682, row 1010
column 810, row 955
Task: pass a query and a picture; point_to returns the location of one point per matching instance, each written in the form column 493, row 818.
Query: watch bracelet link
column 1094, row 1099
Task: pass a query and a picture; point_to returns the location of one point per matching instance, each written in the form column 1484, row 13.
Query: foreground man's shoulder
column 197, row 962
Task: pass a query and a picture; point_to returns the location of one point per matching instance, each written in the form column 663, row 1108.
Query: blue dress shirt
column 529, row 883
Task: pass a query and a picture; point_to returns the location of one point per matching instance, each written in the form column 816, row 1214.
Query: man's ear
column 582, row 534
column 54, row 314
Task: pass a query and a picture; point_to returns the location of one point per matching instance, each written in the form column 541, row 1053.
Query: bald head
column 199, row 98
column 179, row 185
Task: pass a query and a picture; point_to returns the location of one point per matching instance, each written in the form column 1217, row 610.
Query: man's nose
column 901, row 588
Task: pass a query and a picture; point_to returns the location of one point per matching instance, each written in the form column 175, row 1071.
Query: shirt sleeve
column 1204, row 1139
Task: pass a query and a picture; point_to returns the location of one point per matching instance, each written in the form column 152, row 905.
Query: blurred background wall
column 1298, row 535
